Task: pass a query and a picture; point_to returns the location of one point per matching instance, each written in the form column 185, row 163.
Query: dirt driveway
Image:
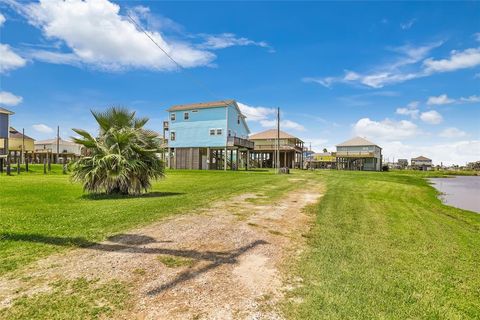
column 225, row 262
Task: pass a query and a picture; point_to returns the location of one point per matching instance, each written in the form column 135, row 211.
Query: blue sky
column 404, row 75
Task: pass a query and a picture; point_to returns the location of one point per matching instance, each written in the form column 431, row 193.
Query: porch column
column 225, row 159
column 248, row 159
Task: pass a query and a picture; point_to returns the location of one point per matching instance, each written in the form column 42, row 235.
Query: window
column 172, row 116
column 172, row 136
column 194, row 110
column 229, row 133
column 186, row 116
column 238, row 120
column 219, row 132
column 212, row 132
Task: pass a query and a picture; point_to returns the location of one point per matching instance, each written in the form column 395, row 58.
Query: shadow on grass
column 135, row 244
column 104, row 196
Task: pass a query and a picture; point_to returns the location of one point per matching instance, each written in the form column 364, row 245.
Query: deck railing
column 285, row 146
column 240, row 142
column 347, row 154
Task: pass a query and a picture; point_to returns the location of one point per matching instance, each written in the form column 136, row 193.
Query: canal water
column 461, row 191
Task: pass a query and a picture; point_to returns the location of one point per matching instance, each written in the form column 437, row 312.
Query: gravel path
column 230, row 260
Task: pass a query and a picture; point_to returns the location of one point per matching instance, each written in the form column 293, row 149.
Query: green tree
column 123, row 159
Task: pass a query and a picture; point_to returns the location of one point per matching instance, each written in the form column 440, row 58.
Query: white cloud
column 9, row 99
column 457, row 152
column 452, row 133
column 10, row 60
column 43, row 128
column 256, row 113
column 431, row 117
column 458, row 60
column 318, row 144
column 385, row 129
column 225, row 40
column 440, row 100
column 407, row 25
column 2, row 19
column 284, row 124
column 385, row 74
column 411, row 110
column 100, row 37
column 412, row 63
column 407, row 112
column 471, row 99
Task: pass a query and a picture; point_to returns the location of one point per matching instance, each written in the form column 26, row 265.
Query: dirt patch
column 197, row 266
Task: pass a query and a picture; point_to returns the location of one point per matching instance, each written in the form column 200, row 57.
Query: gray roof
column 422, row 158
column 357, row 142
column 271, row 134
column 202, row 105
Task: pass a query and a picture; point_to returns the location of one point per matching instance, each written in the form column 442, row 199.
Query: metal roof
column 271, row 134
column 356, row 142
column 5, row 111
column 202, row 105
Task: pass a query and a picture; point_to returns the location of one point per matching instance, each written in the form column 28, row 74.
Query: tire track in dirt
column 230, row 260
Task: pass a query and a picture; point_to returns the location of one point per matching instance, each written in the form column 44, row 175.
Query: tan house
column 18, row 142
column 359, row 154
column 421, row 163
column 263, row 155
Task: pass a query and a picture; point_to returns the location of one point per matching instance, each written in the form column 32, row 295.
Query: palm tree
column 123, row 159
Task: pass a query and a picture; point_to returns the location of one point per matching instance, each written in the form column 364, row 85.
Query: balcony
column 283, row 147
column 355, row 154
column 239, row 142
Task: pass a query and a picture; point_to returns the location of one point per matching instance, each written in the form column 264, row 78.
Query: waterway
column 461, row 191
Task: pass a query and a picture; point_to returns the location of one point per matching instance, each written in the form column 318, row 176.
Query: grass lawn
column 42, row 214
column 384, row 246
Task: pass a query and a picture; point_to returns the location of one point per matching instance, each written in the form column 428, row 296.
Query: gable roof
column 5, row 111
column 422, row 158
column 14, row 133
column 54, row 141
column 202, row 105
column 271, row 134
column 357, row 142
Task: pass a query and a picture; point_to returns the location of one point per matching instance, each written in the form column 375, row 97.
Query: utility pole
column 23, row 145
column 58, row 143
column 278, row 140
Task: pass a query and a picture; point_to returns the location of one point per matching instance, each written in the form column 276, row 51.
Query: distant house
column 211, row 135
column 323, row 160
column 421, row 163
column 48, row 148
column 359, row 154
column 402, row 163
column 291, row 149
column 19, row 142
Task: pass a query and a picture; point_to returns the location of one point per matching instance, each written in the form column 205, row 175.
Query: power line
column 198, row 83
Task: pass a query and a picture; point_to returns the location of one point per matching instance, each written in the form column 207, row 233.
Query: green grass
column 175, row 262
column 43, row 214
column 78, row 299
column 384, row 247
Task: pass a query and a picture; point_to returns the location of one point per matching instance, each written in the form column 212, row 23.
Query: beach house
column 208, row 135
column 19, row 145
column 421, row 163
column 67, row 150
column 291, row 149
column 358, row 154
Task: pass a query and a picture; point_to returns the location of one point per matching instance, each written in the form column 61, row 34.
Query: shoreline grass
column 384, row 246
